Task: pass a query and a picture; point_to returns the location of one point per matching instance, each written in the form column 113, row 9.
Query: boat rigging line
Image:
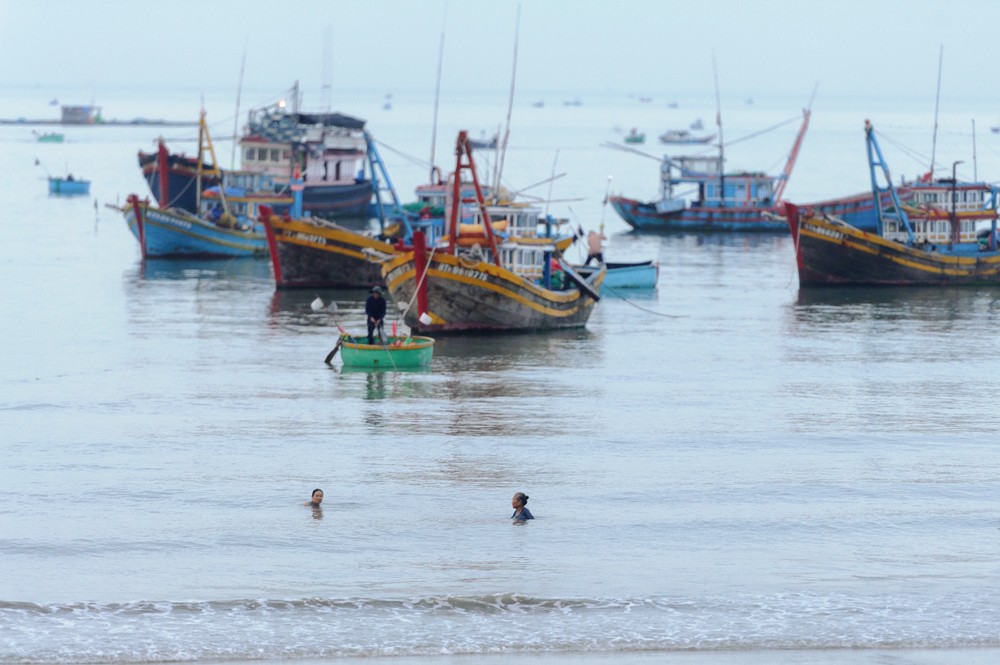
column 937, row 101
column 437, row 91
column 510, row 102
column 236, row 116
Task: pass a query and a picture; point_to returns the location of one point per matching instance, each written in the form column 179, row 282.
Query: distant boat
column 672, row 105
column 683, row 136
column 635, row 136
column 995, row 130
column 484, row 143
column 68, row 186
column 387, row 106
column 49, row 137
column 573, row 102
column 697, row 125
column 645, row 100
column 54, row 102
column 711, row 199
column 539, row 104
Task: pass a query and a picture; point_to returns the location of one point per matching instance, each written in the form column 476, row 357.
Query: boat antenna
column 937, row 100
column 722, row 143
column 236, row 118
column 975, row 166
column 552, row 180
column 604, row 206
column 326, row 93
column 510, row 105
column 437, row 91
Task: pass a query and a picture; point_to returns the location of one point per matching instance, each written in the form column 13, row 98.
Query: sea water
column 723, row 464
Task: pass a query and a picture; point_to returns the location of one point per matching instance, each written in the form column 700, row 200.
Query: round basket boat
column 398, row 352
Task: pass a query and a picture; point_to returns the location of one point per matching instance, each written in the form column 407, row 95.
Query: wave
column 309, row 628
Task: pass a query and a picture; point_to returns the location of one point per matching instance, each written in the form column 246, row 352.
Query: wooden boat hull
column 643, row 216
column 470, row 296
column 311, row 253
column 65, row 187
column 640, row 275
column 409, row 353
column 174, row 233
column 829, row 253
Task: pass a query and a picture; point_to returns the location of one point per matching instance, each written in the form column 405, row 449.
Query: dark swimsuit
column 524, row 515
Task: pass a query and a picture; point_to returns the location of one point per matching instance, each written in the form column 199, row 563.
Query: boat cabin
column 929, row 208
column 324, row 148
column 715, row 189
column 244, row 192
column 526, row 245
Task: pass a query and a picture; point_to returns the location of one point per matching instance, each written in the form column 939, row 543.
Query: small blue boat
column 638, row 275
column 68, row 186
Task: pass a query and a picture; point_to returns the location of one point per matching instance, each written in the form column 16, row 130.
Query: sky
column 572, row 47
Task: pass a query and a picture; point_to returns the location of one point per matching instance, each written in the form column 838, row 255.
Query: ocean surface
column 723, row 469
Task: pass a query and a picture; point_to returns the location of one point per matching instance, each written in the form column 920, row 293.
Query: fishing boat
column 485, row 143
column 684, row 136
column 173, row 177
column 49, row 137
column 324, row 150
column 483, row 279
column 735, row 201
column 327, row 150
column 227, row 223
column 634, row 275
column 68, row 186
column 634, row 136
column 940, row 242
column 395, row 352
column 312, row 252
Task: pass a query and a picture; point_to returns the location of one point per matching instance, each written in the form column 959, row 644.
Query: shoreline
column 901, row 656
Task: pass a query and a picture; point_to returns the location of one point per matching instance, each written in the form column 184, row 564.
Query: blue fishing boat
column 174, row 233
column 68, row 186
column 938, row 244
column 735, row 201
column 227, row 222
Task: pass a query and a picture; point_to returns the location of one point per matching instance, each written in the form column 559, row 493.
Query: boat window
column 250, row 154
column 275, row 155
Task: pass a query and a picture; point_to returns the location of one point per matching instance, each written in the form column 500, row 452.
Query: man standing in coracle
column 375, row 311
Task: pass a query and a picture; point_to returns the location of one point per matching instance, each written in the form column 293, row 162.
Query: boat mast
column 877, row 161
column 510, row 107
column 937, row 100
column 975, row 164
column 236, row 118
column 718, row 123
column 437, row 94
column 794, row 154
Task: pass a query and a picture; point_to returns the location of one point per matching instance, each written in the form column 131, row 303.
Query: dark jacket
column 375, row 307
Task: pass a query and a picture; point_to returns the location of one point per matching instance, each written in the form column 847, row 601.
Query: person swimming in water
column 521, row 512
column 316, row 500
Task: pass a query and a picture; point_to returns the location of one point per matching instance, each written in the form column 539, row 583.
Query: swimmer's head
column 317, row 496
